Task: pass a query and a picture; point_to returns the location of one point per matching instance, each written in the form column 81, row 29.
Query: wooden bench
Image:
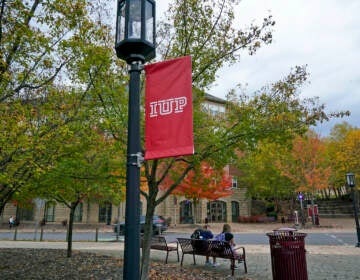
column 160, row 243
column 212, row 248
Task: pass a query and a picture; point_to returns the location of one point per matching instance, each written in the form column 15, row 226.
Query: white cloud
column 324, row 34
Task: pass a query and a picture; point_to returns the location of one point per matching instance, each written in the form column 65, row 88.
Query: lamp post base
column 358, row 237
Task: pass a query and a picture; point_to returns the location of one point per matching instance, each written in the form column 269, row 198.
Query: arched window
column 216, row 211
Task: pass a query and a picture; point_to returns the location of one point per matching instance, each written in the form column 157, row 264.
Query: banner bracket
column 139, row 159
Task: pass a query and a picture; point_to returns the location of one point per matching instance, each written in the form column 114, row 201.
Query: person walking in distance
column 11, row 221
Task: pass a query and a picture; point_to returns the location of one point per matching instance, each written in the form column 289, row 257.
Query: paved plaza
column 323, row 262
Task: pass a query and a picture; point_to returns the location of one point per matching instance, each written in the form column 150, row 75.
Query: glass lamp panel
column 120, row 22
column 350, row 177
column 134, row 19
column 149, row 22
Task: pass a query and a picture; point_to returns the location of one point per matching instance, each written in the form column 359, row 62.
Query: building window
column 49, row 213
column 214, row 110
column 235, row 211
column 234, row 182
column 25, row 214
column 105, row 213
column 78, row 213
column 186, row 211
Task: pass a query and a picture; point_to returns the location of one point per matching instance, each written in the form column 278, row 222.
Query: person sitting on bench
column 203, row 234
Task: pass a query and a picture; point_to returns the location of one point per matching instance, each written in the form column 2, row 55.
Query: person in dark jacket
column 201, row 235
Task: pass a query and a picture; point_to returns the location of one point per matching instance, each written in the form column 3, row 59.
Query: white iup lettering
column 167, row 106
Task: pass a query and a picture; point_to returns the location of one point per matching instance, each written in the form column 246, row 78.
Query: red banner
column 168, row 109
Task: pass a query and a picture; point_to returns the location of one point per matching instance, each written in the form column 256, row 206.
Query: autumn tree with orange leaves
column 308, row 166
column 202, row 183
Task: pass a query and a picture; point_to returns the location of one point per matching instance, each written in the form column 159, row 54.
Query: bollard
column 41, row 234
column 15, row 234
column 97, row 235
column 117, row 231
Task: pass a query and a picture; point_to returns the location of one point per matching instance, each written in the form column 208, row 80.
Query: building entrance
column 186, row 212
column 216, row 211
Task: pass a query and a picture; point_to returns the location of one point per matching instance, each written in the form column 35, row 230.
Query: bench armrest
column 173, row 244
column 239, row 248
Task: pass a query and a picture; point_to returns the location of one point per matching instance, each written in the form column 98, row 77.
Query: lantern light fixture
column 135, row 30
column 350, row 179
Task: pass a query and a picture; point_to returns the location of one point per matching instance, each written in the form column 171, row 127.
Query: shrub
column 272, row 214
column 270, row 207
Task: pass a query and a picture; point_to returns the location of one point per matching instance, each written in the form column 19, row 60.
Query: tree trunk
column 88, row 211
column 323, row 194
column 5, row 197
column 292, row 202
column 2, row 207
column 327, row 193
column 337, row 192
column 148, row 233
column 70, row 228
column 276, row 205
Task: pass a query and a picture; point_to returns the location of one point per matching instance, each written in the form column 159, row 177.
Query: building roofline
column 213, row 98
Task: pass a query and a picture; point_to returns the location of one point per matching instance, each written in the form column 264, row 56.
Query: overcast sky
column 324, row 34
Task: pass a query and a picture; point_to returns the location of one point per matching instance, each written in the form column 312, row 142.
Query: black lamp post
column 134, row 43
column 350, row 179
column 301, row 197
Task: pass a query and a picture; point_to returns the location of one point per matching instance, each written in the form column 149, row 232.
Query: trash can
column 288, row 259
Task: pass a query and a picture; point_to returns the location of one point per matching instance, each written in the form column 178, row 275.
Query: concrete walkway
column 323, row 262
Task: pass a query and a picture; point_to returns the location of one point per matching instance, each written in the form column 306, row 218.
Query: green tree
column 338, row 158
column 204, row 30
column 347, row 154
column 88, row 171
column 261, row 175
column 52, row 55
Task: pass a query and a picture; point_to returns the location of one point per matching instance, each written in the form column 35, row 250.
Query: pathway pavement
column 323, row 262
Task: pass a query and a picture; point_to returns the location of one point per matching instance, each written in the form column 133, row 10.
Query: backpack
column 220, row 237
column 196, row 234
column 197, row 242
